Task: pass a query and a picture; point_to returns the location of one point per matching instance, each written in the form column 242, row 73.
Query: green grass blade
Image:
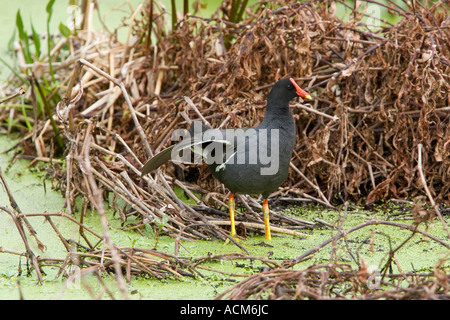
column 174, row 14
column 13, row 70
column 19, row 25
column 240, row 14
column 49, row 115
column 37, row 41
column 49, row 10
column 11, row 42
column 65, row 31
column 24, row 112
column 23, row 38
column 185, row 7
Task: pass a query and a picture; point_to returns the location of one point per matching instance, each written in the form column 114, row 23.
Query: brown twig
column 427, row 191
column 20, row 92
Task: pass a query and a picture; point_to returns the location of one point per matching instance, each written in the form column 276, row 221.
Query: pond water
column 27, row 187
column 33, row 195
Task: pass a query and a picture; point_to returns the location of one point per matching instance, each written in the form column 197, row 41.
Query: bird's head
column 285, row 90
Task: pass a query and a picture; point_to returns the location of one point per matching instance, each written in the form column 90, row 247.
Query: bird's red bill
column 302, row 93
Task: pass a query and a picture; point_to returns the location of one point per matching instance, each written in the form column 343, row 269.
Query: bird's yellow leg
column 231, row 205
column 265, row 209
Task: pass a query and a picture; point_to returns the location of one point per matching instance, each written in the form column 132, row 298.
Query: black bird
column 247, row 161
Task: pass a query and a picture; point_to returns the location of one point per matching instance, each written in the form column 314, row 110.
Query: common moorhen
column 247, row 161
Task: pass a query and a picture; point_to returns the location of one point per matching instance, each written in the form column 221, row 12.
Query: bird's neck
column 278, row 115
column 278, row 108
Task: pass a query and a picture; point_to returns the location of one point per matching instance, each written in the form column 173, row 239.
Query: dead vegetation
column 389, row 88
column 319, row 282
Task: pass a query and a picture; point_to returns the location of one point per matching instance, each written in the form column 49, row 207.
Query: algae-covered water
column 34, row 195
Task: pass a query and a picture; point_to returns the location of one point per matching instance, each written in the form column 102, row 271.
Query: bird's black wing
column 158, row 160
column 165, row 155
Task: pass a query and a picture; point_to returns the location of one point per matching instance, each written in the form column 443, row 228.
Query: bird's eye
column 290, row 87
